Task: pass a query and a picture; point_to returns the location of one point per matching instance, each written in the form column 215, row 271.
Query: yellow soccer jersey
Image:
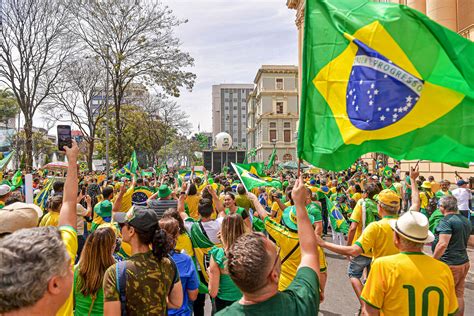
column 410, row 284
column 378, row 236
column 356, row 217
column 287, row 240
column 278, row 211
column 69, row 237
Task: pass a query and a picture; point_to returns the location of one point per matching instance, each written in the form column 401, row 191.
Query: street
column 340, row 298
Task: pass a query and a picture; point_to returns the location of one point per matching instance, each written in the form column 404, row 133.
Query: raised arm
column 308, row 245
column 215, row 199
column 181, row 201
column 262, row 213
column 67, row 216
column 415, row 195
column 118, row 203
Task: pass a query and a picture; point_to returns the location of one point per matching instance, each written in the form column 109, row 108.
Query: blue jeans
column 357, row 266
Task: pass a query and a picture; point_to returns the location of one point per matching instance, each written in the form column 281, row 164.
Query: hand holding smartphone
column 64, row 137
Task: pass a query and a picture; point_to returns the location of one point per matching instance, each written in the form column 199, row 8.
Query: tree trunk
column 28, row 143
column 90, row 153
column 119, row 136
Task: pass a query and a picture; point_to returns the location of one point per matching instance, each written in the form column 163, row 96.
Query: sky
column 230, row 40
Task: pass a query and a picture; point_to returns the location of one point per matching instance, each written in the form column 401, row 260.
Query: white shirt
column 211, row 228
column 463, row 195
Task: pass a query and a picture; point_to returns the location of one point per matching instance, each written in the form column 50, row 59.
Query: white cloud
column 229, row 41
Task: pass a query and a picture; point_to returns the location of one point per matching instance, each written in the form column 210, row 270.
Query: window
column 273, row 124
column 287, row 136
column 279, row 83
column 243, row 116
column 279, row 107
column 235, row 100
column 243, row 140
column 226, row 99
column 287, row 125
column 226, row 108
column 273, row 135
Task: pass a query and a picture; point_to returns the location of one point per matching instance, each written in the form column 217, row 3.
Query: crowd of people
column 98, row 246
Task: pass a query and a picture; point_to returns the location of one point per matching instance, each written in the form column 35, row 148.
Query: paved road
column 340, row 298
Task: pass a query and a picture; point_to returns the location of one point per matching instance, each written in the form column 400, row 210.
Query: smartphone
column 64, row 137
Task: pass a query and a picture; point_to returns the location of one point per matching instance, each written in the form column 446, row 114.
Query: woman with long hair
column 221, row 286
column 96, row 258
column 232, row 208
column 183, row 242
column 148, row 282
column 187, row 271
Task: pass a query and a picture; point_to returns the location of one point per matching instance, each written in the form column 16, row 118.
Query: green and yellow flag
column 251, row 180
column 380, row 77
column 256, row 168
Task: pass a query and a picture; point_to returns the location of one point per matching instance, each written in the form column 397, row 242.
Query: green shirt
column 441, row 193
column 228, row 291
column 240, row 210
column 300, row 298
column 459, row 228
column 83, row 303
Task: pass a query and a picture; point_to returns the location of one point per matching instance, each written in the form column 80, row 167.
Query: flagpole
column 299, row 167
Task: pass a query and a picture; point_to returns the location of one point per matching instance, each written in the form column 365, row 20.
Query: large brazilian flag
column 380, row 77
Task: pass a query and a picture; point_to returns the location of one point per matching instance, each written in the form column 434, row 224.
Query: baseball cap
column 459, row 183
column 4, row 189
column 413, row 226
column 388, row 197
column 426, row 185
column 142, row 218
column 290, row 220
column 19, row 215
column 374, row 177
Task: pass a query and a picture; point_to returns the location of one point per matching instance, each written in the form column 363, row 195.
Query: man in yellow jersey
column 410, row 283
column 377, row 237
column 286, row 237
column 364, row 213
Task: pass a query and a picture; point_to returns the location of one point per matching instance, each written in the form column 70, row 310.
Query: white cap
column 4, row 189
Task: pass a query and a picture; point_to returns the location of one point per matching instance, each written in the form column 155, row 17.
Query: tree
column 8, row 106
column 136, row 40
column 81, row 81
column 34, row 45
column 42, row 146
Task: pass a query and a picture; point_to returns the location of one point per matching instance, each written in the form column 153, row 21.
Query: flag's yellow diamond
column 404, row 102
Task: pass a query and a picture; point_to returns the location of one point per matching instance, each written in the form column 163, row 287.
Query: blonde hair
column 96, row 258
column 232, row 228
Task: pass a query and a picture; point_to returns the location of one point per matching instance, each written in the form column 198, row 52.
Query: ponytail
column 161, row 244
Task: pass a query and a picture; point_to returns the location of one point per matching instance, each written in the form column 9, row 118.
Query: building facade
column 273, row 113
column 136, row 94
column 457, row 15
column 229, row 111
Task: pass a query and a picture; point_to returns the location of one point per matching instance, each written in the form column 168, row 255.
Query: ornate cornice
column 292, row 4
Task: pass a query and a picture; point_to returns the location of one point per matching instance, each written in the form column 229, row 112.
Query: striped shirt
column 160, row 206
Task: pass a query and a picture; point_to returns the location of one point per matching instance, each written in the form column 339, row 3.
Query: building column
column 444, row 12
column 419, row 5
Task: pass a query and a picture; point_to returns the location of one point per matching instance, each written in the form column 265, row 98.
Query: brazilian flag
column 256, row 168
column 381, row 77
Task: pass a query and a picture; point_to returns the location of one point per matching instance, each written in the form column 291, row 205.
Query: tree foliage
column 135, row 39
column 34, row 44
column 8, row 105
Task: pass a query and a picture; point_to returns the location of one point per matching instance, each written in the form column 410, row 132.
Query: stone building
column 273, row 113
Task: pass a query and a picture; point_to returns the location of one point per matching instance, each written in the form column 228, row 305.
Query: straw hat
column 413, row 226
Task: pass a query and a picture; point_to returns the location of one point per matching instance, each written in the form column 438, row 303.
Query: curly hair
column 246, row 260
column 29, row 259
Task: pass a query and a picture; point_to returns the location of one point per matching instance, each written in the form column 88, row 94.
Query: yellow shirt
column 287, row 241
column 126, row 200
column 356, row 196
column 378, row 236
column 424, row 199
column 193, row 202
column 356, row 217
column 69, row 237
column 184, row 243
column 276, row 208
column 50, row 219
column 410, row 284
